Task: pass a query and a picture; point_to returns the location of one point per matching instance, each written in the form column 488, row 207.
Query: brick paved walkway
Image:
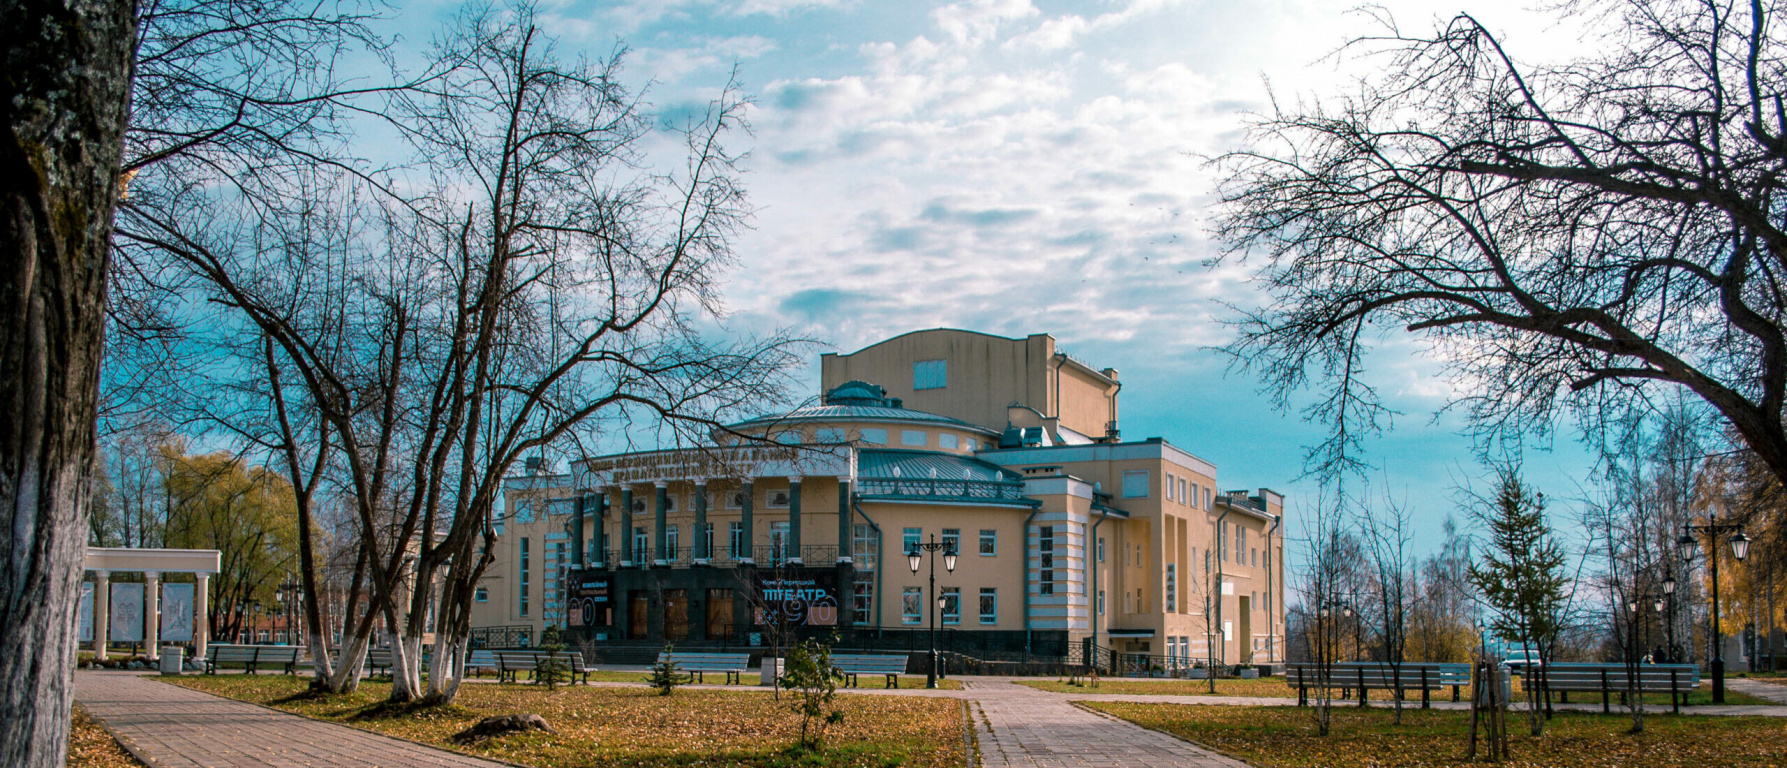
column 1021, row 726
column 173, row 727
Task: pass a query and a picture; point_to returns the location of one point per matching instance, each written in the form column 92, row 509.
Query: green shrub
column 665, row 676
column 810, row 675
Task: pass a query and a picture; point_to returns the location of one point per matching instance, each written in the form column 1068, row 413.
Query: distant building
column 1008, row 449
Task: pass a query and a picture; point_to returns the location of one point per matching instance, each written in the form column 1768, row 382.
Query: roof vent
column 859, row 393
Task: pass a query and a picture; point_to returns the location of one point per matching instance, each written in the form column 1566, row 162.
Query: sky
column 1018, row 167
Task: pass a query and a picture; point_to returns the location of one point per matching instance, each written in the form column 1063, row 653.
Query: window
column 1172, row 588
column 1101, row 549
column 522, row 601
column 1206, row 499
column 862, row 552
column 1046, row 548
column 777, row 499
column 945, row 440
column 829, row 435
column 524, row 511
column 707, row 540
column 1128, row 603
column 989, row 542
column 482, row 595
column 910, row 538
column 736, row 530
column 930, row 374
column 952, row 540
column 735, row 499
column 778, row 542
column 914, row 437
column 1253, row 555
column 672, row 542
column 912, row 605
column 1182, row 497
column 1240, row 545
column 1101, row 602
column 788, row 438
column 863, row 599
column 1135, row 484
column 973, row 445
column 874, row 436
column 952, row 605
column 1169, row 487
column 989, row 605
column 641, row 544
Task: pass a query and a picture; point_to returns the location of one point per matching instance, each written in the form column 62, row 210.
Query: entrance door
column 1244, row 643
column 719, row 614
column 676, row 614
column 638, row 608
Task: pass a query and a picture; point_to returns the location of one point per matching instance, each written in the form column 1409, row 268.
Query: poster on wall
column 176, row 613
column 86, row 612
column 797, row 598
column 591, row 604
column 125, row 621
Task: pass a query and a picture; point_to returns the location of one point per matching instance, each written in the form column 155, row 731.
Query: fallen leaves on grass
column 631, row 726
column 1285, row 737
column 90, row 745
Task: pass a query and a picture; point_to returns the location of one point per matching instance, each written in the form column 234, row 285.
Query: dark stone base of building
column 628, row 615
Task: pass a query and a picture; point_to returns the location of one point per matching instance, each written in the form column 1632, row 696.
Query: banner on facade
column 86, row 612
column 592, row 602
column 803, row 597
column 176, row 613
column 125, row 619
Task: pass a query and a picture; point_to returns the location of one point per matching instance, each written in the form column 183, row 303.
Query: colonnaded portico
column 102, row 562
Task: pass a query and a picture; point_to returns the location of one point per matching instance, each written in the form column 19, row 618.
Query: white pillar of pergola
column 152, row 563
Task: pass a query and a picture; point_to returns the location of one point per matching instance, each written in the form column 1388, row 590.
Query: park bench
column 869, row 664
column 252, row 657
column 481, row 661
column 732, row 665
column 1365, row 676
column 510, row 664
column 1677, row 680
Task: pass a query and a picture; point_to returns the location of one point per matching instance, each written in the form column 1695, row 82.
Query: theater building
column 1008, row 451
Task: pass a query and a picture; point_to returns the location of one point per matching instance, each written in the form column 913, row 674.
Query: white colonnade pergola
column 152, row 563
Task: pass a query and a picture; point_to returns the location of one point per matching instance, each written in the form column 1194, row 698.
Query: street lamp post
column 913, row 558
column 1740, row 548
column 1669, row 620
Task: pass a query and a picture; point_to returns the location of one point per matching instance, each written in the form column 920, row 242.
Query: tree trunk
column 65, row 102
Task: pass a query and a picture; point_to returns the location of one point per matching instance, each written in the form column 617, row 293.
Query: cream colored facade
column 1066, row 535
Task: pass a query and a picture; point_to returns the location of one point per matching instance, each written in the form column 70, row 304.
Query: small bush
column 810, row 675
column 665, row 676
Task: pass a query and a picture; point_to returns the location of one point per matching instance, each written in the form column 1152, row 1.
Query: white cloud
column 781, row 7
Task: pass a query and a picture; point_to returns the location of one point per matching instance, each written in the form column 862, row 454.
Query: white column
column 152, row 614
column 201, row 618
column 102, row 608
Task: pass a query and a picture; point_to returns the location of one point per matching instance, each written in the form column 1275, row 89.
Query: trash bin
column 171, row 660
column 772, row 671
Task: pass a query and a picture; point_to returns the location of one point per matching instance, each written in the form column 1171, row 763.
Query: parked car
column 1519, row 660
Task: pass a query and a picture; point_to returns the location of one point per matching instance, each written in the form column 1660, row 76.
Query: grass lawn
column 91, row 746
column 1284, row 737
column 750, row 679
column 615, row 726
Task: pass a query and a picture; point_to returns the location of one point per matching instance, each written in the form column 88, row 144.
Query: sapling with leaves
column 665, row 676
column 813, row 679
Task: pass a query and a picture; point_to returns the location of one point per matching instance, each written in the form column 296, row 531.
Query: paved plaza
column 168, row 726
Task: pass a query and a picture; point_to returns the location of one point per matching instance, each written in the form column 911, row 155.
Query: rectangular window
column 1169, row 487
column 1253, row 556
column 642, row 542
column 1172, row 588
column 1240, row 545
column 736, row 530
column 1101, row 602
column 989, row 605
column 522, row 601
column 914, row 437
column 1046, row 555
column 1206, row 499
column 973, row 445
column 952, row 540
column 788, row 438
column 1135, row 484
column 989, row 542
column 910, row 538
column 952, row 605
column 672, row 542
column 874, row 436
column 1182, row 497
column 863, row 600
column 707, row 540
column 482, row 595
column 862, row 553
column 735, row 499
column 829, row 435
column 1128, row 603
column 778, row 542
column 930, row 374
column 1101, row 549
column 945, row 440
column 912, row 605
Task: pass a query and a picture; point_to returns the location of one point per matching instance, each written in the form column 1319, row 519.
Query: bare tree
column 64, row 103
column 1387, row 533
column 1582, row 235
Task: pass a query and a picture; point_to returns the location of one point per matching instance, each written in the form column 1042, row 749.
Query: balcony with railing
column 940, row 489
column 763, row 556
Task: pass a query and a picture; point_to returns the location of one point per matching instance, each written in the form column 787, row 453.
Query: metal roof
column 921, row 465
